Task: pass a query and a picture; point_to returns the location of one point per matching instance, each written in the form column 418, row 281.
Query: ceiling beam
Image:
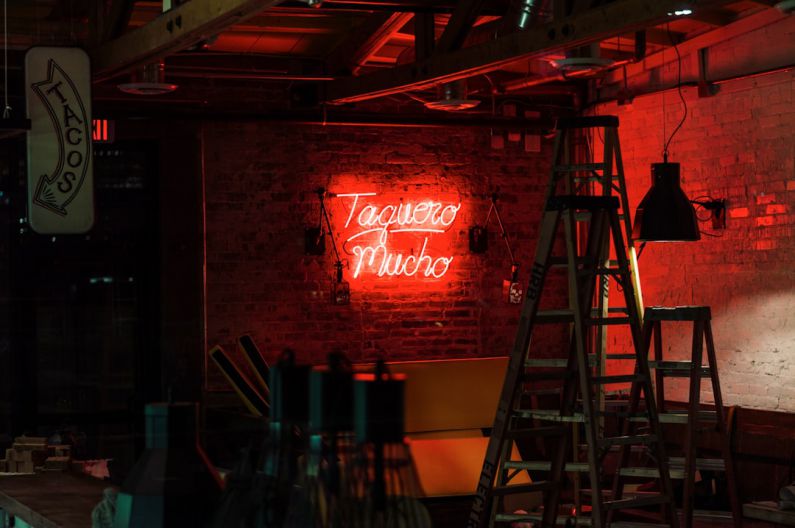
column 174, row 30
column 714, row 17
column 590, row 26
column 459, row 25
column 363, row 42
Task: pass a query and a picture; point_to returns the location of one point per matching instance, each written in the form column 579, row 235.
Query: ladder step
column 651, row 472
column 706, row 464
column 551, row 415
column 623, row 524
column 622, row 378
column 567, row 316
column 547, row 376
column 678, row 369
column 555, row 316
column 544, row 465
column 501, row 491
column 602, row 321
column 602, row 121
column 580, row 167
column 538, row 517
column 678, row 417
column 586, row 216
column 636, row 502
column 563, row 362
column 532, row 432
column 628, row 440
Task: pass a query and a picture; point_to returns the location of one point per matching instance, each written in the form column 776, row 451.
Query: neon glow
column 378, row 224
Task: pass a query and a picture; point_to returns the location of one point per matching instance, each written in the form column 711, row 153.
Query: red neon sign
column 379, row 231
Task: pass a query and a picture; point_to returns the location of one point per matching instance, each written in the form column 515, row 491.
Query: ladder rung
column 551, row 415
column 532, row 432
column 677, row 417
column 555, row 316
column 623, row 524
column 706, row 464
column 678, row 369
column 580, row 167
column 546, row 362
column 628, row 440
column 563, row 262
column 546, row 376
column 586, row 216
column 538, row 517
column 622, row 378
column 599, row 271
column 636, row 502
column 651, row 472
column 563, row 362
column 543, row 485
column 603, row 321
column 544, row 465
column 542, row 392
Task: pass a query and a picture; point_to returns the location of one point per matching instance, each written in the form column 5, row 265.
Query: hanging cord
column 6, row 107
column 503, row 233
column 679, row 89
column 321, row 194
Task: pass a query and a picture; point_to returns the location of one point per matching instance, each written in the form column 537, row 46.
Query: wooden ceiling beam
column 173, row 31
column 714, row 17
column 459, row 25
column 365, row 41
column 615, row 18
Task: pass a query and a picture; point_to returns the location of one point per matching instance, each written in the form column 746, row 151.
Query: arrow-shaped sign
column 72, row 126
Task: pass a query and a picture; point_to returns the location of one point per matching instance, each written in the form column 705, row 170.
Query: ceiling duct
column 452, row 97
column 149, row 80
column 787, row 6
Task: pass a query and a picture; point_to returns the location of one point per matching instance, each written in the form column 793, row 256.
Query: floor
column 453, row 512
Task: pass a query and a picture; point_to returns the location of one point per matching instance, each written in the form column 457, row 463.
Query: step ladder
column 576, row 170
column 576, row 374
column 694, row 417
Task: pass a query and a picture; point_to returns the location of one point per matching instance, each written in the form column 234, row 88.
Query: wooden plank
column 459, row 25
column 768, row 511
column 590, row 26
column 172, row 31
column 365, row 41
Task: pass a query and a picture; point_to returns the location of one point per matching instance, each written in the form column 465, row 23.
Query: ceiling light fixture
column 149, row 80
column 452, row 97
column 666, row 214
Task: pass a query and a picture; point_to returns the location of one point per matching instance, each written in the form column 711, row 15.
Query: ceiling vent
column 787, row 6
column 452, row 97
column 582, row 60
column 149, row 80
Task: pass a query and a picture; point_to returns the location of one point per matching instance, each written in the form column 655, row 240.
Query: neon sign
column 378, row 225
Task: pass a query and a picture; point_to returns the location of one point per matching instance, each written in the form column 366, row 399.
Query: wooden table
column 52, row 499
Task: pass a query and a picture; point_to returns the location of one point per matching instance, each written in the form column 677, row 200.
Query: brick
column 775, row 209
column 738, row 212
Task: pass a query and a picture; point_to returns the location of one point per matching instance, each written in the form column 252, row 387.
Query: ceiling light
column 665, row 214
column 149, row 80
column 452, row 97
column 581, row 64
column 681, row 12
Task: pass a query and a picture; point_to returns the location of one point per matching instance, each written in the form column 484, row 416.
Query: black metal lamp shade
column 665, row 214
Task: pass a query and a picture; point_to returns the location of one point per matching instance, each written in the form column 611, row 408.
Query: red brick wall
column 260, row 195
column 737, row 145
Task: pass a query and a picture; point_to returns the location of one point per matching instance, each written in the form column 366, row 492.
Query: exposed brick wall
column 260, row 195
column 738, row 145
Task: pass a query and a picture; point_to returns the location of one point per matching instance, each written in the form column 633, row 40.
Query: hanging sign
column 393, row 237
column 60, row 164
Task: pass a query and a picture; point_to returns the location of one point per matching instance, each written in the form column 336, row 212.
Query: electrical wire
column 679, row 90
column 7, row 107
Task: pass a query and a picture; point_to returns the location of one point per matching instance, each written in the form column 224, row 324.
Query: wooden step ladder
column 577, row 169
column 694, row 417
column 577, row 375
